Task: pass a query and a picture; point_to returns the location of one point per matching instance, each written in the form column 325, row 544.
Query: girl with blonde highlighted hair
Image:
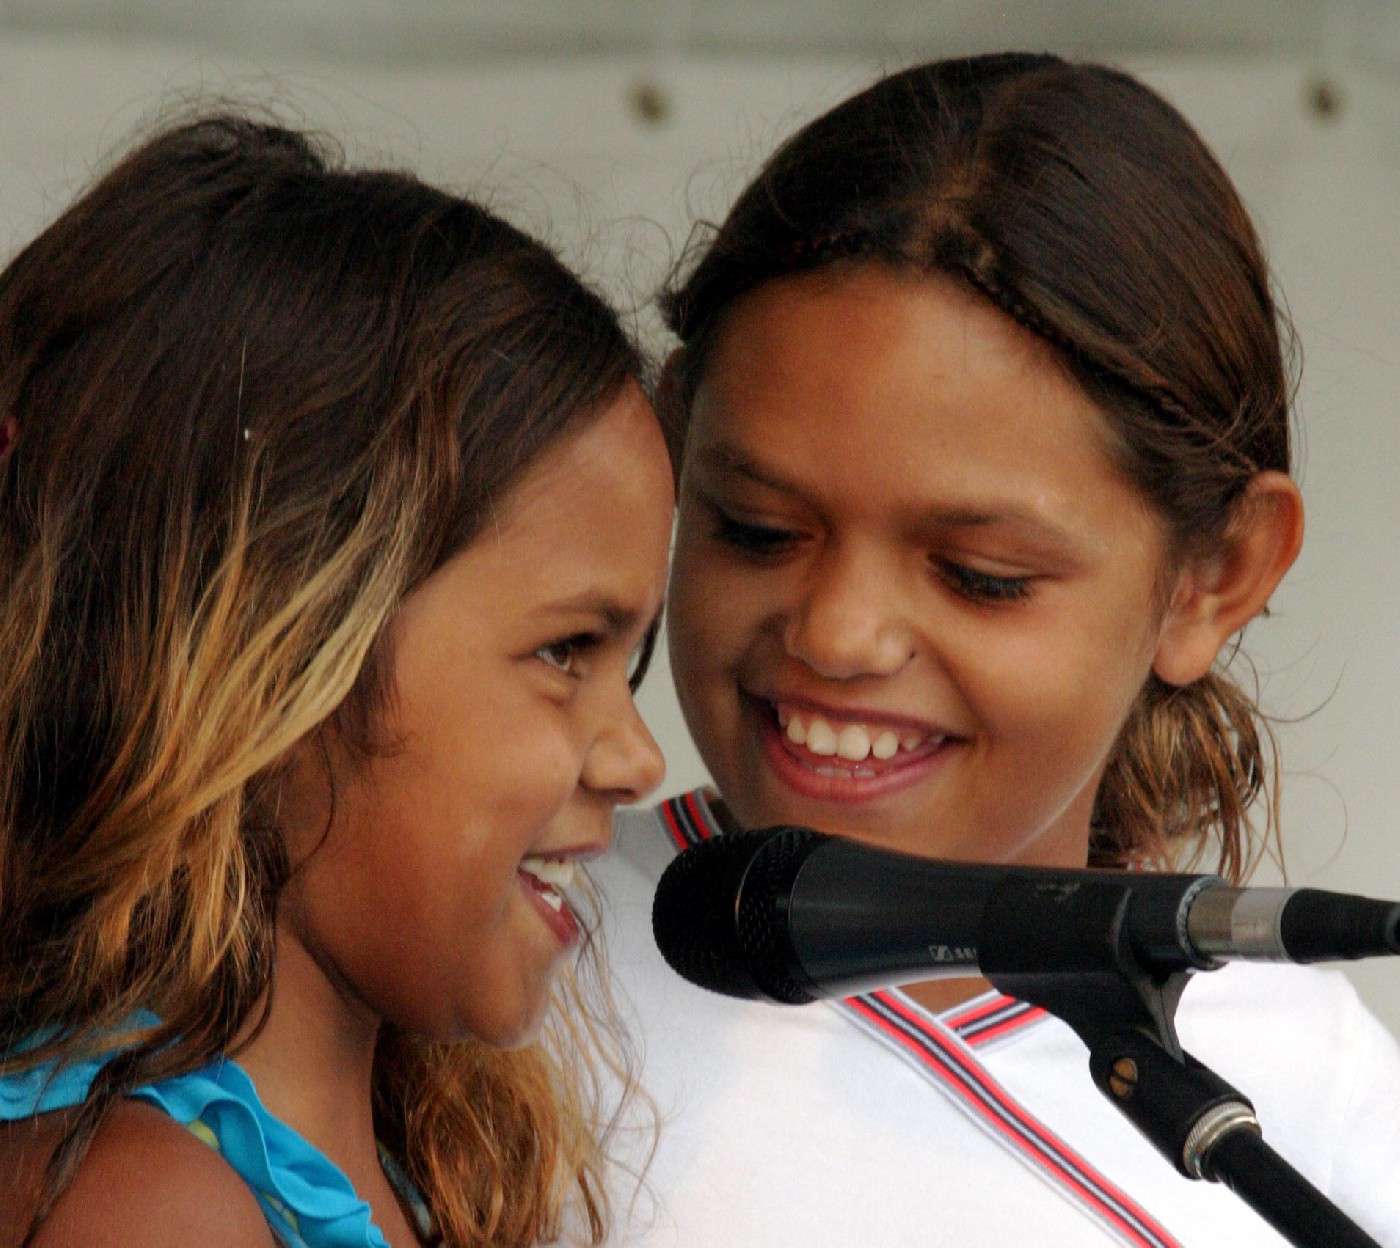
column 333, row 527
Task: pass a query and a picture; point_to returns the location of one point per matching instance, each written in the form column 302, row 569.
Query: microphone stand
column 1125, row 1011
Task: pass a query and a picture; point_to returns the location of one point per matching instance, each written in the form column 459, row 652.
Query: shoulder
column 145, row 1180
column 1282, row 1014
column 1262, row 1000
column 1294, row 1038
column 1322, row 1071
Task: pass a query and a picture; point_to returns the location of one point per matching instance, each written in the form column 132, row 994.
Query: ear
column 1217, row 595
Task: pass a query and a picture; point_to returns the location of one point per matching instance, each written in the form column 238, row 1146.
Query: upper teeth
column 556, row 872
column 853, row 742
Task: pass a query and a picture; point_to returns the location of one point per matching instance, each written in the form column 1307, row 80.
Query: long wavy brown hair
column 1084, row 206
column 249, row 399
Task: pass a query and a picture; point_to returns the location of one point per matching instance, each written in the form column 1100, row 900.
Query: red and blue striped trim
column 939, row 1055
column 942, row 1050
column 990, row 1017
column 688, row 819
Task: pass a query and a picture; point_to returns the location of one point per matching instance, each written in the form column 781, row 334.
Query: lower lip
column 560, row 922
column 845, row 788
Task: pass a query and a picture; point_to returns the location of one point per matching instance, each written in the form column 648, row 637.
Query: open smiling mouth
column 849, row 749
column 547, row 879
column 550, row 877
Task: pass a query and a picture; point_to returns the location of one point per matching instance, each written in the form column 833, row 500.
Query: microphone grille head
column 693, row 914
column 762, row 921
column 720, row 912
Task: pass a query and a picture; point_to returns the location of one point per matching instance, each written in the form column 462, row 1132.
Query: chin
column 519, row 1036
column 516, row 1028
column 512, row 1025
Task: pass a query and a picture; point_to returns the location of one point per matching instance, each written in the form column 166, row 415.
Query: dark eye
column 563, row 654
column 983, row 586
column 752, row 539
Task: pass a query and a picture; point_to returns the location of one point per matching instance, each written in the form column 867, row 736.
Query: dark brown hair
column 255, row 399
column 1086, row 208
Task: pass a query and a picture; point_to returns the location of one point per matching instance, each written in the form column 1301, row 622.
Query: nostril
column 846, row 653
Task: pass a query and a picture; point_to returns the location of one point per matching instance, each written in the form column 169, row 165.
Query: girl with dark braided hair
column 983, row 417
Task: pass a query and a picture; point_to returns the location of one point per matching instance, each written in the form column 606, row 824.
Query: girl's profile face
column 912, row 599
column 435, row 897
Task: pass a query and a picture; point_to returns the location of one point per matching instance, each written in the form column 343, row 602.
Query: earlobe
column 1216, row 596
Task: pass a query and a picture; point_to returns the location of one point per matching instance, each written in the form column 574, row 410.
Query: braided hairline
column 1157, row 396
column 969, row 257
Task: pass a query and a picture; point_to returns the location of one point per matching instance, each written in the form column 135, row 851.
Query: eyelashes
column 983, row 586
column 567, row 653
column 641, row 662
column 761, row 542
column 752, row 539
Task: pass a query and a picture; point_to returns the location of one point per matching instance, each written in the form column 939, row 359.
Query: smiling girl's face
column 912, row 599
column 430, row 891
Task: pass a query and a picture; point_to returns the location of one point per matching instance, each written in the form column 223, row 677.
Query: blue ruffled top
column 307, row 1199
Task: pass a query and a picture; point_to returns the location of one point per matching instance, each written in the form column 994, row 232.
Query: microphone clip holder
column 1083, row 969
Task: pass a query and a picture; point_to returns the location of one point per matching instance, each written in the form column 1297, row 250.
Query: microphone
column 792, row 915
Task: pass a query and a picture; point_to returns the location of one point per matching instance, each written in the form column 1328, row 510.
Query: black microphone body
column 793, row 915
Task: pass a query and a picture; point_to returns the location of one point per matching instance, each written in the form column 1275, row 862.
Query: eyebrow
column 616, row 618
column 727, row 457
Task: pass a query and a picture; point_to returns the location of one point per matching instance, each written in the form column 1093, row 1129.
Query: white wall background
column 612, row 157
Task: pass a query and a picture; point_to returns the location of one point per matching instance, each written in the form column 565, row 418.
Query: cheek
column 718, row 609
column 699, row 629
column 712, row 648
column 549, row 766
column 683, row 591
column 1075, row 676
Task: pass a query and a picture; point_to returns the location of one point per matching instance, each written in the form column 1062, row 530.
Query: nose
column 624, row 762
column 849, row 619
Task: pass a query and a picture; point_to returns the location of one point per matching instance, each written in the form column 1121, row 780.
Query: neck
column 313, row 1062
column 313, row 1067
column 937, row 995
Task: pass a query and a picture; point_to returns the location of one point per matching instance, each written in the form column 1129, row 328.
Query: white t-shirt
column 873, row 1122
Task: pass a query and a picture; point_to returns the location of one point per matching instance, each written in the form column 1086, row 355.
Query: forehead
column 596, row 506
column 585, row 531
column 612, row 462
column 884, row 385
